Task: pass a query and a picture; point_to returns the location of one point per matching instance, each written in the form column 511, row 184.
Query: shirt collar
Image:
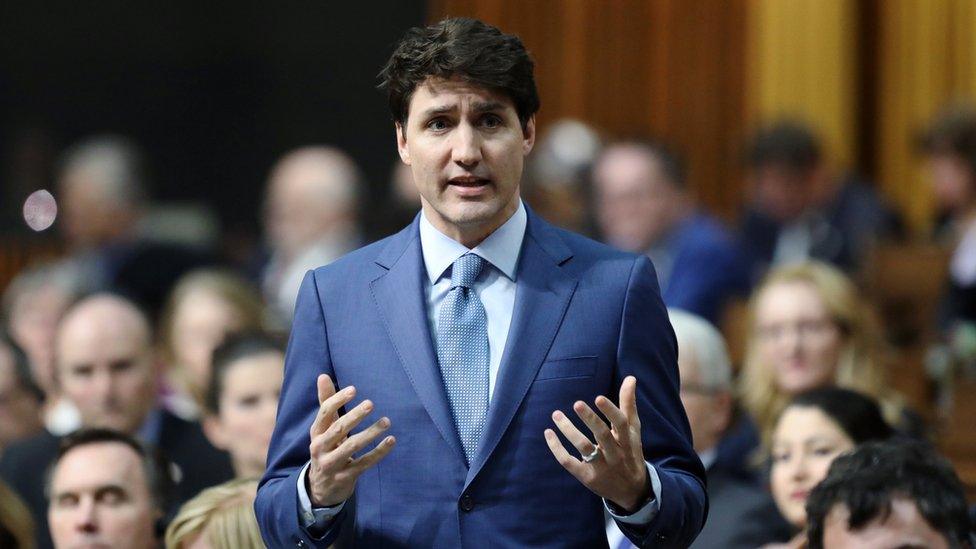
column 501, row 248
column 708, row 458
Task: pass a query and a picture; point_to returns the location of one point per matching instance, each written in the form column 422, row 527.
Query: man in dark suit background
column 473, row 331
column 104, row 365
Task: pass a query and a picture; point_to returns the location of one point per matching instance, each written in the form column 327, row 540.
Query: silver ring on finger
column 589, row 458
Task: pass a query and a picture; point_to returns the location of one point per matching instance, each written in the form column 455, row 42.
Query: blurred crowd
column 140, row 371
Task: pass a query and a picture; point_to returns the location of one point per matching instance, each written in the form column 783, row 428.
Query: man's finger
column 608, row 445
column 617, row 419
column 568, row 462
column 359, row 441
column 371, row 457
column 329, row 409
column 574, row 435
column 336, row 433
column 325, row 387
column 628, row 398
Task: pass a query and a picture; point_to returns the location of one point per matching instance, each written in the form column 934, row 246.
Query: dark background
column 213, row 91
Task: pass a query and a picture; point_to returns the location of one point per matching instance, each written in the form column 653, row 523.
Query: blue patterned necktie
column 462, row 351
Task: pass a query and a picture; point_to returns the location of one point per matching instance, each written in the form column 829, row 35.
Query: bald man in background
column 104, row 363
column 311, row 219
column 103, row 193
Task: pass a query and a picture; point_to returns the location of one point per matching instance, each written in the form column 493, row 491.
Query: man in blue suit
column 473, row 331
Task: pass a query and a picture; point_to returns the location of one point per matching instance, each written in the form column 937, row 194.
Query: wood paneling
column 802, row 65
column 665, row 68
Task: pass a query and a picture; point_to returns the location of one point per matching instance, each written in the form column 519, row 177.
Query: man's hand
column 618, row 473
column 332, row 472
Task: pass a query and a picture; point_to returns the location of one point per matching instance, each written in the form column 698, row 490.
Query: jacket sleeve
column 647, row 350
column 276, row 505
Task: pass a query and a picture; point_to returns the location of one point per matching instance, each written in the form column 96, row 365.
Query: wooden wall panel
column 665, row 68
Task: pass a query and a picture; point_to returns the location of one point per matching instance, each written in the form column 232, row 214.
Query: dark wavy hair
column 869, row 478
column 464, row 48
column 858, row 415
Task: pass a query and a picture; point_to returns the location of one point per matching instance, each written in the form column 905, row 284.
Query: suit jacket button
column 467, row 503
column 301, row 544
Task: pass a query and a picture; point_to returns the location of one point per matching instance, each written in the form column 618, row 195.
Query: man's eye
column 111, row 496
column 491, row 121
column 249, row 401
column 67, row 500
column 437, row 124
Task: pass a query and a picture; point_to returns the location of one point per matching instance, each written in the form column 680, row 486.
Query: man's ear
column 528, row 136
column 402, row 147
column 214, row 432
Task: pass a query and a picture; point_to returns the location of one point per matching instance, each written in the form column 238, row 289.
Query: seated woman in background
column 221, row 517
column 242, row 399
column 203, row 308
column 813, row 429
column 809, row 329
column 949, row 145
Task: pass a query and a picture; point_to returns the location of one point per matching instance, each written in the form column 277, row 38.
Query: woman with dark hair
column 814, row 428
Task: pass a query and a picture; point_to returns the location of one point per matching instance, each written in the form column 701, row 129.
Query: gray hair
column 698, row 337
column 118, row 163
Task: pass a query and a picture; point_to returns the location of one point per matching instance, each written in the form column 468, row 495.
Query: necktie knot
column 465, row 270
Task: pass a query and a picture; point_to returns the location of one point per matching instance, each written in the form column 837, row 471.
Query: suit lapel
column 399, row 295
column 543, row 292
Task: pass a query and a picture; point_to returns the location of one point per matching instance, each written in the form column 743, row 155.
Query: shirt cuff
column 314, row 519
column 644, row 515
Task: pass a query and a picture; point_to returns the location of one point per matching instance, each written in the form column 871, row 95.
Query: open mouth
column 469, row 185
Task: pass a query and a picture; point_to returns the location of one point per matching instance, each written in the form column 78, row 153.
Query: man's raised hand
column 333, row 471
column 617, row 471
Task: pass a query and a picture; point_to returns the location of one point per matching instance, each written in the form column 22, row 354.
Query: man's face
column 636, row 205
column 105, row 368
column 709, row 410
column 781, row 192
column 466, row 148
column 904, row 528
column 100, row 498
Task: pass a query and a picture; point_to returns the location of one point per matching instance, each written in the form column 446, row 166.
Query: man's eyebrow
column 486, row 106
column 443, row 109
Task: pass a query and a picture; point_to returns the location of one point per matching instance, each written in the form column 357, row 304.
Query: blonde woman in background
column 221, row 517
column 809, row 328
column 202, row 309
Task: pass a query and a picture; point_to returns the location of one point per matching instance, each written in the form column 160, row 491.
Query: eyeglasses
column 810, row 328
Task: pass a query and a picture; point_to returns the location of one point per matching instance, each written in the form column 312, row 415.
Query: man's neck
column 469, row 235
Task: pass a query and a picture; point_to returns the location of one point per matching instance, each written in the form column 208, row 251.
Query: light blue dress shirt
column 495, row 287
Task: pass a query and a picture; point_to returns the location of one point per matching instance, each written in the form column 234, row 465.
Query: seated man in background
column 242, row 399
column 799, row 210
column 105, row 365
column 311, row 219
column 740, row 514
column 107, row 490
column 889, row 494
column 20, row 397
column 103, row 192
column 33, row 304
column 644, row 206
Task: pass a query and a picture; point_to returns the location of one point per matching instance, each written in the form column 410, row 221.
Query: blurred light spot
column 40, row 209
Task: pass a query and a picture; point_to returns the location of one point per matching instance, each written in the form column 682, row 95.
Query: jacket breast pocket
column 563, row 368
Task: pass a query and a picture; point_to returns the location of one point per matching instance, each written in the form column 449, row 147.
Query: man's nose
column 466, row 149
column 87, row 518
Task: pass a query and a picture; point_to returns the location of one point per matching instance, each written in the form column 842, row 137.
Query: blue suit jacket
column 585, row 317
